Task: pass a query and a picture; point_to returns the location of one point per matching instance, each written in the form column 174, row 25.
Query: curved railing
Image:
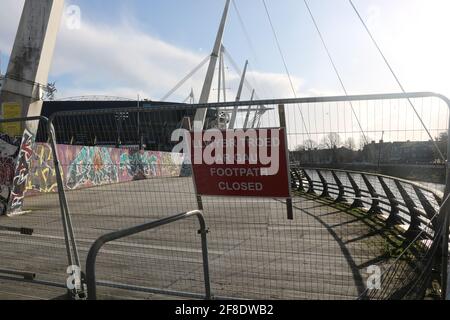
column 411, row 210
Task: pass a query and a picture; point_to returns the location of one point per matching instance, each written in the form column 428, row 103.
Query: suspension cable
column 252, row 51
column 183, row 81
column 335, row 68
column 285, row 64
column 244, row 29
column 236, row 68
column 396, row 78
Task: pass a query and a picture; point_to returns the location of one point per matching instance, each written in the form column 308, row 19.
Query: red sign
column 237, row 163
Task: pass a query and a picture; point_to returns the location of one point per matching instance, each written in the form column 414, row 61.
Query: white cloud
column 374, row 15
column 121, row 60
column 412, row 36
column 118, row 56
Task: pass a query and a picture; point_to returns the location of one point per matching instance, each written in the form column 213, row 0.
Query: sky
column 126, row 48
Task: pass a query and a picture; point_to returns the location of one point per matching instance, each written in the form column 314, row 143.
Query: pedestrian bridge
column 345, row 230
column 124, row 220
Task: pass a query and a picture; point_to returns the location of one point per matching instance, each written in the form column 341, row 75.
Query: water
column 440, row 188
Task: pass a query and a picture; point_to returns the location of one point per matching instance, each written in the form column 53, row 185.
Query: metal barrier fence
column 40, row 248
column 93, row 252
column 404, row 214
column 114, row 180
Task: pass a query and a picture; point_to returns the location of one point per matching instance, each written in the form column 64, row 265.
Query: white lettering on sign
column 240, row 186
column 250, row 163
column 230, row 147
column 233, row 172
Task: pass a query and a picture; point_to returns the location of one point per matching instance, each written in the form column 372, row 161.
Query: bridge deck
column 254, row 251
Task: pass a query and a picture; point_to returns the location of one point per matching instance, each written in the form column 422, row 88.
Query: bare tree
column 350, row 143
column 442, row 143
column 443, row 137
column 363, row 141
column 332, row 141
column 310, row 144
column 300, row 148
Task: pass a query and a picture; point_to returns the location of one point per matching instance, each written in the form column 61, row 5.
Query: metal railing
column 247, row 271
column 69, row 239
column 99, row 243
column 445, row 209
column 401, row 203
column 255, row 252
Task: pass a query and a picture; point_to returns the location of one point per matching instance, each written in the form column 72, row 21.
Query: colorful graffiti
column 42, row 177
column 171, row 164
column 136, row 165
column 90, row 167
column 82, row 167
column 21, row 173
column 9, row 149
column 96, row 166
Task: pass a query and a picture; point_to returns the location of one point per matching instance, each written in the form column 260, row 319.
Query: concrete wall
column 9, row 149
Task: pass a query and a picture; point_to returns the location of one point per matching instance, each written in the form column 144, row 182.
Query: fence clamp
column 81, row 292
column 202, row 232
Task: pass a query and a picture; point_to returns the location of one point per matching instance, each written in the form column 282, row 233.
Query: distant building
column 408, row 152
column 152, row 130
column 325, row 156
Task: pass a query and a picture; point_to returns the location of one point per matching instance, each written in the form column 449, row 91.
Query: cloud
column 100, row 57
column 374, row 16
column 121, row 60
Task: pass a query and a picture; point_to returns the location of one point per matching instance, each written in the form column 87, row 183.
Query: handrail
column 100, row 242
column 24, row 119
column 69, row 237
column 292, row 101
column 420, row 209
column 371, row 174
column 402, row 204
column 445, row 285
column 349, row 188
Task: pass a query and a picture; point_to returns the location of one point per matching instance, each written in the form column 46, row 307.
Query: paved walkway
column 254, row 251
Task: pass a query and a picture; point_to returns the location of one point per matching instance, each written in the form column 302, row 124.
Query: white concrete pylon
column 200, row 116
column 238, row 97
column 25, row 79
column 32, row 54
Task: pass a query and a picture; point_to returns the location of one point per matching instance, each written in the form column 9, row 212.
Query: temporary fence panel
column 34, row 247
column 351, row 236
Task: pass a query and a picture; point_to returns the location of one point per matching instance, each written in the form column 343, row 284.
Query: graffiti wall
column 21, row 172
column 85, row 167
column 9, row 149
column 42, row 177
